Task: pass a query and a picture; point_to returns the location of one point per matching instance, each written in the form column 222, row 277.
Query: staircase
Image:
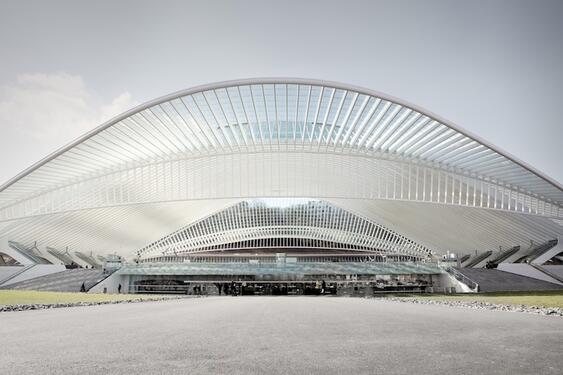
column 504, row 255
column 537, row 251
column 477, row 259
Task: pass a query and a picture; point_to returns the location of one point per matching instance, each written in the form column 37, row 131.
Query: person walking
column 83, row 288
column 119, row 289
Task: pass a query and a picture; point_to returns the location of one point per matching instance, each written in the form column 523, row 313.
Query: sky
column 491, row 67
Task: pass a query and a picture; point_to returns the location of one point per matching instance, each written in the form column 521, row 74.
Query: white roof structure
column 281, row 223
column 175, row 160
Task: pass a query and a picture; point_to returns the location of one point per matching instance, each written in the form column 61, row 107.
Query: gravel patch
column 554, row 311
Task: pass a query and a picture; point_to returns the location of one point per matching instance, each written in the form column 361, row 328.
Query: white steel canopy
column 197, row 151
column 287, row 224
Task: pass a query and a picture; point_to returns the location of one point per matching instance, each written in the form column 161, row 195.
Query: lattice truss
column 270, row 138
column 283, row 223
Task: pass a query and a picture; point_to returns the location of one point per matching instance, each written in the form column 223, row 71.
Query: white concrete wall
column 5, row 248
column 549, row 254
column 446, row 280
column 557, row 270
column 79, row 261
column 36, row 271
column 524, row 250
column 527, row 270
column 483, row 263
column 111, row 284
column 7, row 271
column 459, row 286
column 51, row 258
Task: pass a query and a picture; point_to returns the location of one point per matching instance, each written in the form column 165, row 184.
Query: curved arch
column 248, row 175
column 384, row 149
column 250, row 81
column 292, row 219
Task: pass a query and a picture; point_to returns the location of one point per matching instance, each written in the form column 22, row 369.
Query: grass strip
column 30, row 297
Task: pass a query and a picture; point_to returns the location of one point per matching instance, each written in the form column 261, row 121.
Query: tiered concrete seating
column 491, row 280
column 66, row 281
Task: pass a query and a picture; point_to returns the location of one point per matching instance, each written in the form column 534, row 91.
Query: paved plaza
column 278, row 335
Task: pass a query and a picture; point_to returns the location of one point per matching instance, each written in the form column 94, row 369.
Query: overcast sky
column 494, row 68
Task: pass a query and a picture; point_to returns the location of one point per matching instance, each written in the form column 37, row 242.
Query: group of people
column 83, row 288
column 198, row 291
column 239, row 288
column 321, row 285
column 232, row 289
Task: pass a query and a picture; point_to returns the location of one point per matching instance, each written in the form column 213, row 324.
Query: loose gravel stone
column 552, row 311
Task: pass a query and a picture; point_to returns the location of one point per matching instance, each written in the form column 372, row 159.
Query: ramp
column 65, row 281
column 492, row 280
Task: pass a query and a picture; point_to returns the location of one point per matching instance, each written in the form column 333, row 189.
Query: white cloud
column 118, row 105
column 41, row 112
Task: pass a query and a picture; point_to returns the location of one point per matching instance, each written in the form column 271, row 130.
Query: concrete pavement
column 278, row 335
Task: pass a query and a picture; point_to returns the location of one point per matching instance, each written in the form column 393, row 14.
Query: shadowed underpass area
column 281, row 335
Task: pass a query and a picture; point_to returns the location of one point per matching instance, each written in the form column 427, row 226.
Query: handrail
column 88, row 259
column 63, row 257
column 547, row 272
column 478, row 258
column 98, row 281
column 20, row 249
column 466, row 280
column 504, row 255
column 540, row 250
column 25, row 268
